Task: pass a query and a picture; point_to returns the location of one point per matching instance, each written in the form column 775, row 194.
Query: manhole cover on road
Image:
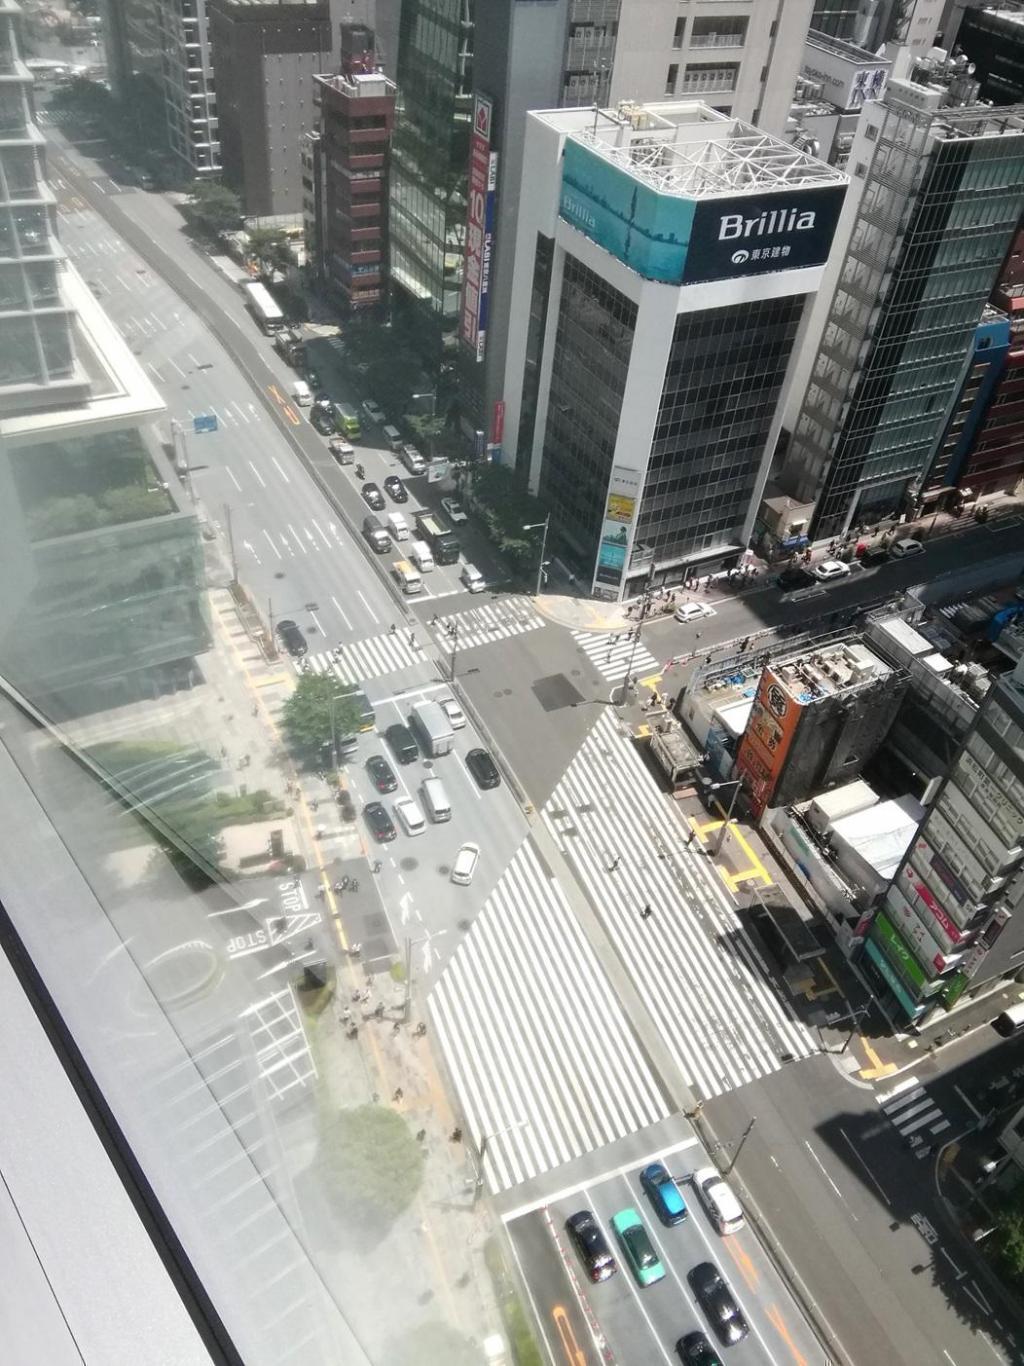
column 408, row 864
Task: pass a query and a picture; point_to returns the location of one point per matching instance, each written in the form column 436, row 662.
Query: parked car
column 373, row 497
column 693, row 611
column 829, row 570
column 591, row 1245
column 636, row 1244
column 382, row 827
column 465, row 864
column 663, row 1193
column 395, row 489
column 382, row 775
column 791, row 579
column 904, row 548
column 483, row 768
column 454, row 713
column 410, row 816
column 454, row 509
column 372, row 413
column 874, row 554
column 719, row 1303
column 291, row 638
column 321, row 419
column 695, row 1350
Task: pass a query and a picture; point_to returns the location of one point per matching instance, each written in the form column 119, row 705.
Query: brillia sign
column 733, row 225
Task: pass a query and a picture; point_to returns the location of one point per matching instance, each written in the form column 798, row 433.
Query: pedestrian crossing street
column 610, row 655
column 912, row 1111
column 483, row 625
column 541, row 1055
column 360, row 660
column 702, row 978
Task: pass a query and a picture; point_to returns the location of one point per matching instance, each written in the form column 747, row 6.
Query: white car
column 372, row 413
column 901, row 550
column 472, row 578
column 465, row 864
column 453, row 508
column 410, row 817
column 830, row 569
column 693, row 611
column 456, row 716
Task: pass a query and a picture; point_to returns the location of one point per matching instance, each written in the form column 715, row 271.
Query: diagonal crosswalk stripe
column 611, row 655
column 359, row 660
column 702, row 978
column 483, row 625
column 543, row 1079
column 914, row 1114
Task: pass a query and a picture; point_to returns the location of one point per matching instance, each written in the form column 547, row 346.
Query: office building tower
column 579, row 53
column 948, row 482
column 267, row 57
column 430, row 153
column 935, row 197
column 952, row 920
column 993, row 39
column 348, row 174
column 168, row 41
column 881, row 24
column 663, row 262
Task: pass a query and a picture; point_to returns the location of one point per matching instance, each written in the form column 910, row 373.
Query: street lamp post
column 737, row 786
column 739, row 1146
column 455, row 650
column 532, row 526
column 645, row 607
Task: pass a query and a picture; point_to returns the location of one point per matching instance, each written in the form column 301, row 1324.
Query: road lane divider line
column 870, row 1174
column 774, row 1314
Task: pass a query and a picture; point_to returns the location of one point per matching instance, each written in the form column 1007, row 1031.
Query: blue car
column 664, row 1194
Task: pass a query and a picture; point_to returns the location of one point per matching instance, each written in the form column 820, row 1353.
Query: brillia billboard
column 676, row 240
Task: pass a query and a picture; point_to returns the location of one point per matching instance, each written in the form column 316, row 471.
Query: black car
column 380, row 823
column 791, row 579
column 395, row 489
column 373, row 497
column 875, row 554
column 591, row 1245
column 382, row 775
column 718, row 1303
column 322, row 420
column 312, row 378
column 291, row 638
column 403, row 743
column 483, row 768
column 695, row 1350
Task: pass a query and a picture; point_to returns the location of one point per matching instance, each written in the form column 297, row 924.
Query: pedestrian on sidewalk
column 396, row 1028
column 397, row 1094
column 420, row 1135
column 456, row 1135
column 647, row 912
column 615, row 863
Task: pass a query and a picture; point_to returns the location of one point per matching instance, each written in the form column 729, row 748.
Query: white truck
column 432, row 727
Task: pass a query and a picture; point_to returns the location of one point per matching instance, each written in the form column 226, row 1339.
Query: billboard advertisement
column 476, row 276
column 611, row 557
column 675, row 240
column 770, row 730
column 847, row 79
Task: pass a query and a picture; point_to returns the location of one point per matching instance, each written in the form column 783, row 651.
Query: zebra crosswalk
column 612, row 655
column 359, row 660
column 483, row 625
column 702, row 978
column 543, row 1059
column 910, row 1109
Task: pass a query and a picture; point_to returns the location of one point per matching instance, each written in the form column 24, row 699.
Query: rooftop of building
column 1009, row 16
column 829, row 671
column 687, row 148
column 359, row 85
column 850, row 51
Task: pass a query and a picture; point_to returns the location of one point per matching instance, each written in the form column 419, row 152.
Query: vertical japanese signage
column 483, row 175
column 773, row 722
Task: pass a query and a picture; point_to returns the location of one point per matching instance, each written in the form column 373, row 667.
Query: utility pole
column 645, row 607
column 532, row 526
column 231, row 543
column 739, row 1146
column 737, row 787
column 455, row 650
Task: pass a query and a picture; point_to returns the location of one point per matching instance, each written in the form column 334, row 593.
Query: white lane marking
column 967, row 1101
column 196, row 363
column 270, row 542
column 238, row 410
column 280, row 471
column 156, row 373
column 328, row 543
column 849, row 1142
column 262, row 481
column 820, row 1165
column 362, row 598
column 181, row 372
column 341, row 612
column 298, row 538
column 319, row 624
column 231, row 475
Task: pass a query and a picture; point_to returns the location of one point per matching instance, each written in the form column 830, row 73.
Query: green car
column 637, row 1247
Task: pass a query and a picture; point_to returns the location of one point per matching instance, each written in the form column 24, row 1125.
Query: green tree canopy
column 212, row 208
column 370, row 1165
column 506, row 508
column 1010, row 1235
column 268, row 247
column 318, row 710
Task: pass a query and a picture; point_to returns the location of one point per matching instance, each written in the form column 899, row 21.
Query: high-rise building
column 664, row 258
column 879, row 24
column 169, row 41
column 267, row 56
column 348, row 173
column 742, row 60
column 993, row 39
column 103, row 569
column 430, row 155
column 952, row 918
column 935, row 197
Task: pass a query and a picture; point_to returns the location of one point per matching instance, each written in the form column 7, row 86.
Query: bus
column 261, row 305
column 346, row 419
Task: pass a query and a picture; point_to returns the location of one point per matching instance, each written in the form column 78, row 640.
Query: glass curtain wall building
column 941, row 197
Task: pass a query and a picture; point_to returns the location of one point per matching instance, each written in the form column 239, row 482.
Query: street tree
column 506, row 507
column 318, row 711
column 1010, row 1235
column 370, row 1166
column 268, row 247
column 212, row 208
column 426, row 429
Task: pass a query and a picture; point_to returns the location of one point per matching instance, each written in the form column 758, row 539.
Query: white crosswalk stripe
column 484, row 625
column 370, row 658
column 708, row 990
column 610, row 655
column 912, row 1111
column 541, row 1081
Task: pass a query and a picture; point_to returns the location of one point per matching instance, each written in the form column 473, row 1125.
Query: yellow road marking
column 742, row 1259
column 780, row 1327
column 878, row 1068
column 571, row 1347
column 642, row 731
column 650, row 681
column 291, row 415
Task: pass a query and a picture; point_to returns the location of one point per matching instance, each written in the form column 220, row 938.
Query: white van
column 435, row 800
column 465, row 864
column 721, row 1206
column 412, row 460
column 408, row 577
column 393, row 437
column 472, row 578
column 419, row 553
column 398, row 526
column 301, row 392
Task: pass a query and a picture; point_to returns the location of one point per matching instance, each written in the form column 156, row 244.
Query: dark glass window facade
column 722, row 385
column 588, row 377
column 534, row 346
